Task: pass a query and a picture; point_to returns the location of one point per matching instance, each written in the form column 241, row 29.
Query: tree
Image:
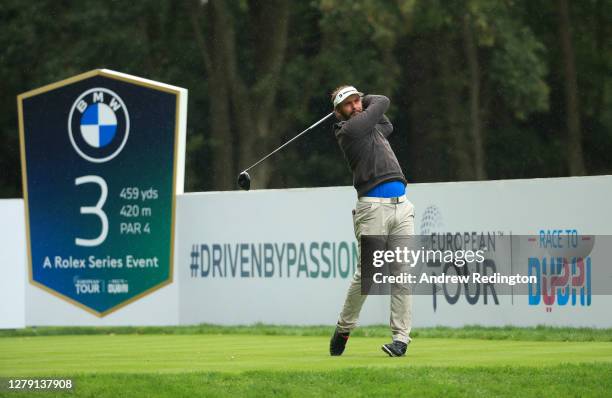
column 242, row 104
column 478, row 88
column 575, row 158
column 476, row 134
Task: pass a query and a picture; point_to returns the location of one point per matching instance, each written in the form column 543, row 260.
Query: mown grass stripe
column 61, row 355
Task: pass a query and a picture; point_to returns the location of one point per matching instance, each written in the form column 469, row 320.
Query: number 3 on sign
column 96, row 210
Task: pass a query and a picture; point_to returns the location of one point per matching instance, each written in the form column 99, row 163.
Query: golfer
column 382, row 207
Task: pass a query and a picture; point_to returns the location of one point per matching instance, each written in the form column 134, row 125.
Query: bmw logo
column 98, row 125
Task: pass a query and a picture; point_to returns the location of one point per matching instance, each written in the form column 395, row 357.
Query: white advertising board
column 222, row 232
column 13, row 264
column 287, row 256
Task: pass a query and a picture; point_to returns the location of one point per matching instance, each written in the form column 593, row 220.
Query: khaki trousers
column 388, row 220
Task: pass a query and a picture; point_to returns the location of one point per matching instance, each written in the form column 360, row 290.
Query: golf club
column 244, row 179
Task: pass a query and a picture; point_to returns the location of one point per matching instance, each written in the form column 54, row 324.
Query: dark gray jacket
column 363, row 140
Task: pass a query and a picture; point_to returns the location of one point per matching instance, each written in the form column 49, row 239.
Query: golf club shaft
column 288, row 142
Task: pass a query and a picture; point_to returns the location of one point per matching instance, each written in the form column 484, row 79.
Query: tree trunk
column 223, row 169
column 269, row 22
column 600, row 48
column 476, row 134
column 425, row 162
column 452, row 85
column 241, row 114
column 575, row 156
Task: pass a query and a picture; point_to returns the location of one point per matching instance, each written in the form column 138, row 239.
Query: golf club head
column 244, row 181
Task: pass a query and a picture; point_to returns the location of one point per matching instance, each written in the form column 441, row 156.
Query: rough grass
column 537, row 333
column 584, row 380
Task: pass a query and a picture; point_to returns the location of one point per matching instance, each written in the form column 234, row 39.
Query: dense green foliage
column 479, row 89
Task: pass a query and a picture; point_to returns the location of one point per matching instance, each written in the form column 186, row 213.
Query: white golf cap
column 344, row 94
